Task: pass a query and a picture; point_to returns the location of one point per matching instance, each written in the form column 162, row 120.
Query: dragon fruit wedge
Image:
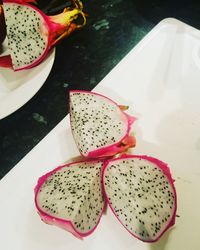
column 141, row 193
column 100, row 127
column 71, row 198
column 31, row 33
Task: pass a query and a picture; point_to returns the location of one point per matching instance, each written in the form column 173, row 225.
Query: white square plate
column 160, row 81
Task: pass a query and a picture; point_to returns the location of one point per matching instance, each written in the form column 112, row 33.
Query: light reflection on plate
column 16, row 88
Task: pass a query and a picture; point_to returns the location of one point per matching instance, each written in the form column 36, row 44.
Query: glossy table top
column 113, row 28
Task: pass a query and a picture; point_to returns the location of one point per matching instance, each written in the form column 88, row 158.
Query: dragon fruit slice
column 100, row 127
column 31, row 33
column 70, row 197
column 141, row 193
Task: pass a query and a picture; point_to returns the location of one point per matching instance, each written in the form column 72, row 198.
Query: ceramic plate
column 159, row 80
column 16, row 88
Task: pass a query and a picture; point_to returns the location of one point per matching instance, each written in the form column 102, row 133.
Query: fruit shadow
column 161, row 244
column 39, row 235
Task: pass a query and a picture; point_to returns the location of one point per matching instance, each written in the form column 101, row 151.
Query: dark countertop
column 113, row 28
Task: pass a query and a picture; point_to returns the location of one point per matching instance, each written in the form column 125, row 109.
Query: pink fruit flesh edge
column 52, row 27
column 163, row 166
column 115, row 148
column 51, row 220
column 9, row 64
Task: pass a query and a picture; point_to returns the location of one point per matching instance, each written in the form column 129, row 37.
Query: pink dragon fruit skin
column 165, row 171
column 51, row 30
column 124, row 140
column 68, row 224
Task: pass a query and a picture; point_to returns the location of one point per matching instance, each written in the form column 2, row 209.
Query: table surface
column 82, row 60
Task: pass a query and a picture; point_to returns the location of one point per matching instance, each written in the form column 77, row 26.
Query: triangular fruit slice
column 141, row 193
column 70, row 197
column 100, row 127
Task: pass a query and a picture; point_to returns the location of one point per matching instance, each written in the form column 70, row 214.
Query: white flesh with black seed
column 74, row 193
column 96, row 121
column 26, row 33
column 140, row 195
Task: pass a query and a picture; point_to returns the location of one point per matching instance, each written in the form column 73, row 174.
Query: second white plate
column 16, row 88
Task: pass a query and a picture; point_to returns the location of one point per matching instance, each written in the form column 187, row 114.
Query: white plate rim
column 21, row 95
